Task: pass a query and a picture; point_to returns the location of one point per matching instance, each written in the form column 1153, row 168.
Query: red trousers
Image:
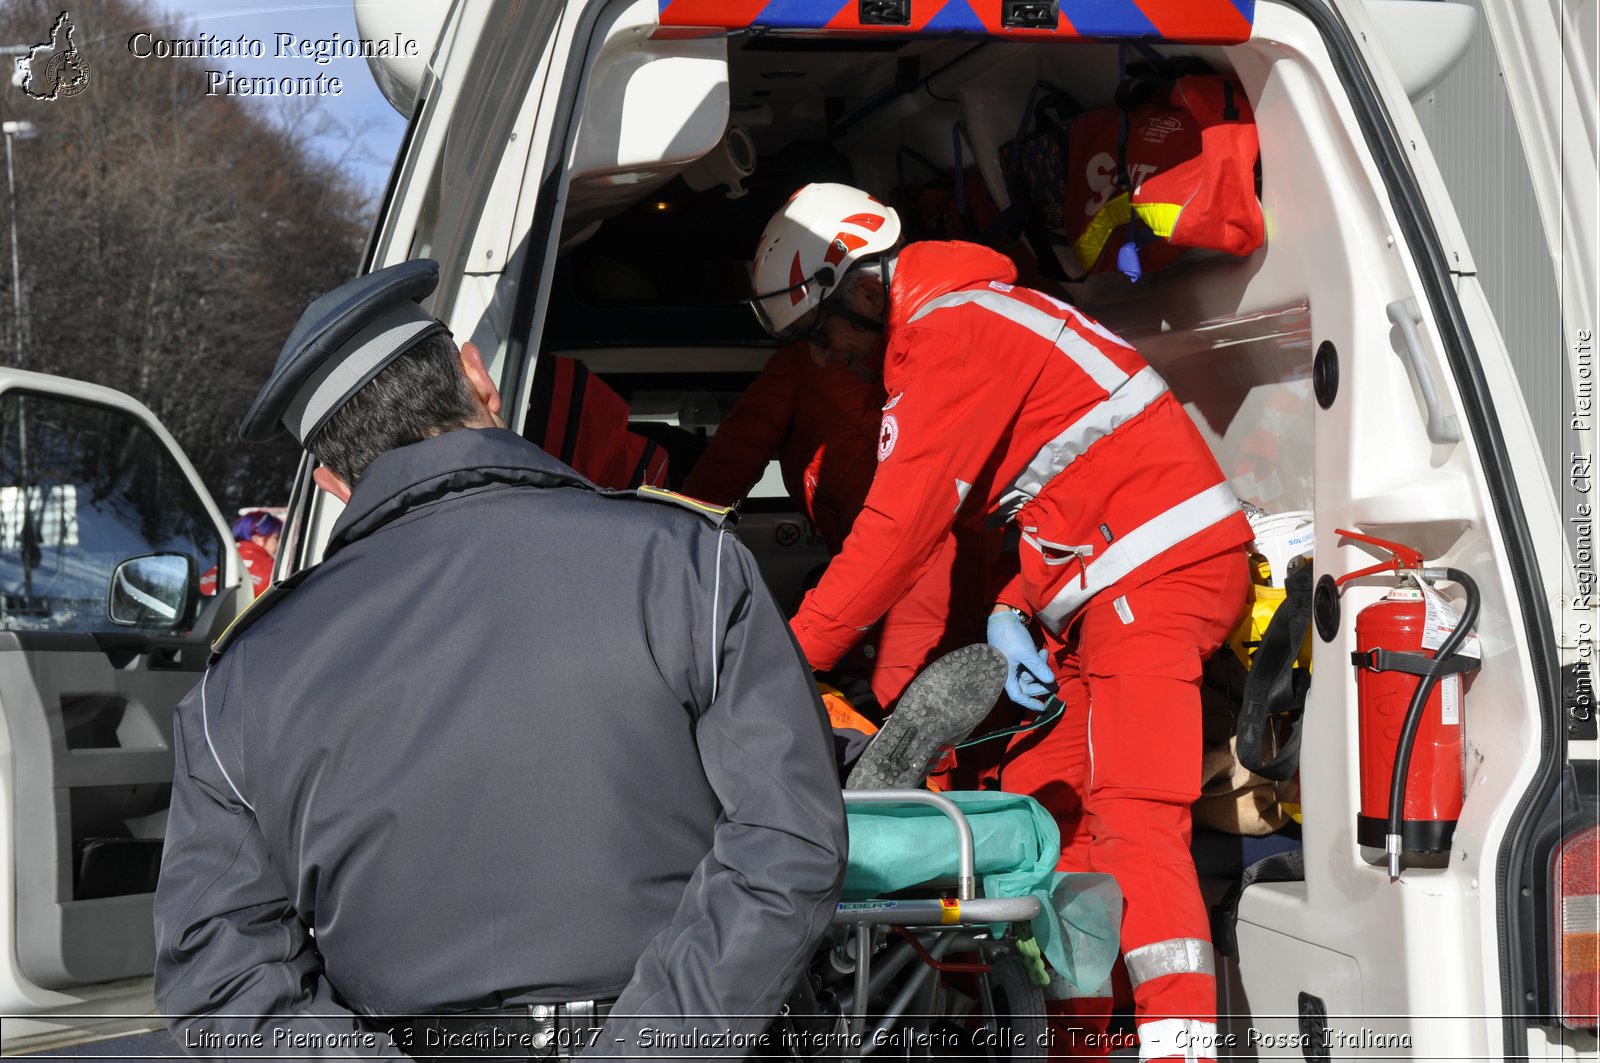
column 1118, row 771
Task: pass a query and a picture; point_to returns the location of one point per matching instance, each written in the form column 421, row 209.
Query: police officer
column 517, row 759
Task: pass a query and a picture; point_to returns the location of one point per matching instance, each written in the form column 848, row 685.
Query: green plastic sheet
column 1015, row 847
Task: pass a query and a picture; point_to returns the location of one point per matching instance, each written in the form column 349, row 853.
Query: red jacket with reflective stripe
column 821, row 421
column 1007, row 405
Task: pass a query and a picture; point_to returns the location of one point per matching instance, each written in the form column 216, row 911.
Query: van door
column 1523, row 805
column 89, row 479
column 1547, row 53
column 462, row 191
column 488, row 160
column 1547, row 50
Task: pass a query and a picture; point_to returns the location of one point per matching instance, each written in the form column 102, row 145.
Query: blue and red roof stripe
column 1192, row 21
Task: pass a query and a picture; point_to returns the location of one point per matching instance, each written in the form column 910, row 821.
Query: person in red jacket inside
column 1008, row 407
column 256, row 534
column 821, row 420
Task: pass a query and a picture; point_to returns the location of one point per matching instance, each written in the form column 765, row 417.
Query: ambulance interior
column 648, row 293
column 650, row 287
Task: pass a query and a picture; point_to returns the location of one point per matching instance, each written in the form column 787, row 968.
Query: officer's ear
column 331, row 482
column 480, row 382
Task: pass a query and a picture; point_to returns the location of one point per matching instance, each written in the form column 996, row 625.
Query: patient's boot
column 940, row 707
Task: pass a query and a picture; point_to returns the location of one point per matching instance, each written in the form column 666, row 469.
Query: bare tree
column 170, row 239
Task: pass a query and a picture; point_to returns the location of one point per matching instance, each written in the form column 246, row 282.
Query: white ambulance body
column 577, row 169
column 536, row 131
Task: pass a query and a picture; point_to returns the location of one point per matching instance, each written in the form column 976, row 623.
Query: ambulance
column 1406, row 357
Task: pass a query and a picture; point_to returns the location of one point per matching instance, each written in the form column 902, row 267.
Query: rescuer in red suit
column 1008, row 407
column 256, row 534
column 820, row 418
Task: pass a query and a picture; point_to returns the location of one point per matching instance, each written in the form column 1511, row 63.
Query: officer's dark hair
column 417, row 396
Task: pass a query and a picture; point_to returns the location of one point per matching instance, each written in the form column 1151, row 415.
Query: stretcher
column 951, row 910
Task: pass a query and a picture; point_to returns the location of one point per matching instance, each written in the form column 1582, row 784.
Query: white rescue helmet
column 808, row 247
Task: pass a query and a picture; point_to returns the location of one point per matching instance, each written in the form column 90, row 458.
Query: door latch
column 1030, row 14
column 884, row 12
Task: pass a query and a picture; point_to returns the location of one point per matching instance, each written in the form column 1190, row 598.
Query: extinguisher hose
column 1419, row 700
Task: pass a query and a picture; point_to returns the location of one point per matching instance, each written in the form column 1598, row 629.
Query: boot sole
column 942, row 705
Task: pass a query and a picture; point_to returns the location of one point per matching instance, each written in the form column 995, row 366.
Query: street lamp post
column 18, row 131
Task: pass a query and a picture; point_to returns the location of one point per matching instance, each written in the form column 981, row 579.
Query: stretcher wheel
column 1018, row 1010
column 1005, row 1024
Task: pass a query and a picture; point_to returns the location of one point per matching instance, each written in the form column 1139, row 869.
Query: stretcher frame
column 964, row 920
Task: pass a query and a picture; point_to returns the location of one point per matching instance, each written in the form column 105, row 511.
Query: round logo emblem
column 888, row 435
column 787, row 533
column 67, row 73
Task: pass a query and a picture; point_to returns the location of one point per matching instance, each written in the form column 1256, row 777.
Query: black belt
column 521, row 1031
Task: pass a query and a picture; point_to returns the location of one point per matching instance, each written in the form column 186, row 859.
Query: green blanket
column 1016, row 846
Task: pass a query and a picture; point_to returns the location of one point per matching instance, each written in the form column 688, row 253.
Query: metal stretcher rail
column 967, row 906
column 966, row 883
column 946, row 913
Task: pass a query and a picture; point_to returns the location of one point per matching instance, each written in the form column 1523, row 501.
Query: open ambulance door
column 88, row 480
column 1524, row 811
column 1547, row 55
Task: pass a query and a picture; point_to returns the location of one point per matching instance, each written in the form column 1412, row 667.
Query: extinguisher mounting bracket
column 1403, row 559
column 1381, row 660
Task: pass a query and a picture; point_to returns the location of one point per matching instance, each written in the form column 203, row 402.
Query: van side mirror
column 152, row 591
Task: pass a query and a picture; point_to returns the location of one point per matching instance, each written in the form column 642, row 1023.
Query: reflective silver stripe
column 338, row 377
column 1102, row 370
column 716, row 604
column 962, row 490
column 1094, row 326
column 205, row 725
column 1172, row 956
column 1084, row 319
column 1123, row 405
column 1145, row 543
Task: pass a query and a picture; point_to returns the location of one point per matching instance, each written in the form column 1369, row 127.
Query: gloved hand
column 1028, row 675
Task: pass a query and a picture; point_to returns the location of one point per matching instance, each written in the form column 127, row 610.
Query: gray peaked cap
column 343, row 340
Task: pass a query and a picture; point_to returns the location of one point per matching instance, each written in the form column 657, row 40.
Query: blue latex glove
column 1028, row 675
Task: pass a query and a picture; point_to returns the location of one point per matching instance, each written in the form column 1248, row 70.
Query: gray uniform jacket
column 513, row 740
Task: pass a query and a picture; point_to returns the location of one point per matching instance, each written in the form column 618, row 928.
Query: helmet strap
column 860, row 321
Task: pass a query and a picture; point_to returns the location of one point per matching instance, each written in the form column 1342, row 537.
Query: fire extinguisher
column 1411, row 757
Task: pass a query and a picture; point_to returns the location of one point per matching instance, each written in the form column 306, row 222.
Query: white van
column 592, row 176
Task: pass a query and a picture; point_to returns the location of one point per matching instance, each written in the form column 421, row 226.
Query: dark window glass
column 82, row 487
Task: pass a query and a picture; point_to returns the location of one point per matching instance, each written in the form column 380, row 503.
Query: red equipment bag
column 576, row 417
column 1172, row 167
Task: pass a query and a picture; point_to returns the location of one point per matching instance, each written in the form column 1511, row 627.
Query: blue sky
column 360, row 108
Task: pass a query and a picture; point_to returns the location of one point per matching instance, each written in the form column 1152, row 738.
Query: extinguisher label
column 1440, row 620
column 1450, row 701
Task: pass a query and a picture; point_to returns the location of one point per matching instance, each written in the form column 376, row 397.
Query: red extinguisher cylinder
column 1433, row 794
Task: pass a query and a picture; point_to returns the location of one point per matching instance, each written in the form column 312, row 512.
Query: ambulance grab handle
column 1404, row 315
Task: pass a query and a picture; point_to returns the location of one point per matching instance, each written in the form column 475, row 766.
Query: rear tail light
column 1577, row 929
